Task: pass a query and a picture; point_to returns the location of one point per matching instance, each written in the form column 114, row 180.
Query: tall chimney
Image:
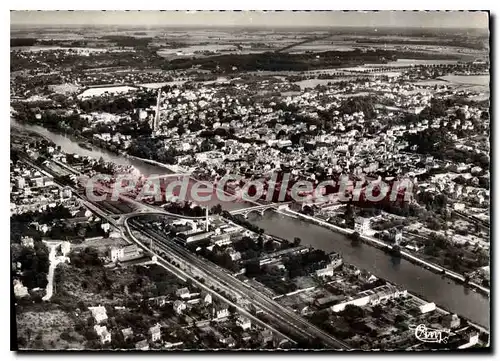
column 156, row 122
column 206, row 219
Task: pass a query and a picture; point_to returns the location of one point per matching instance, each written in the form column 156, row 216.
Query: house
column 42, row 227
column 428, row 307
column 235, row 256
column 335, row 262
column 19, row 289
column 473, row 340
column 451, row 321
column 220, row 312
column 206, row 298
column 229, row 341
column 65, row 248
column 155, row 333
column 124, row 253
column 179, row 306
column 127, row 333
column 182, row 293
column 284, row 143
column 485, row 271
column 99, row 313
column 173, row 344
column 65, row 193
column 126, row 250
column 244, row 323
column 362, row 225
column 324, row 272
column 142, row 345
column 397, row 235
column 266, row 336
column 27, row 242
column 20, row 182
column 103, row 333
column 159, row 301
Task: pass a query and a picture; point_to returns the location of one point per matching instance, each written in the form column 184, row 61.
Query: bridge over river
column 260, row 209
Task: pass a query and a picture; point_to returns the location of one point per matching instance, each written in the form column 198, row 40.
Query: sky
column 438, row 19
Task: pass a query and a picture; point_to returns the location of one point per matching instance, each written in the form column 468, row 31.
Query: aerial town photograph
column 250, row 181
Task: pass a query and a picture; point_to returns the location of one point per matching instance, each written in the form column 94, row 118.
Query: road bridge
column 260, row 209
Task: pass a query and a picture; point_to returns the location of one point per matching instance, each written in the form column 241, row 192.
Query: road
column 310, row 40
column 49, row 290
column 284, row 317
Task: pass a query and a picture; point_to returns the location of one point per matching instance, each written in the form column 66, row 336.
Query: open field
column 42, row 330
column 468, row 79
column 101, row 244
column 111, row 90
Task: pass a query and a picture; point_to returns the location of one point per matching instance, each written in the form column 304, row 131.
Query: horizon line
column 145, row 25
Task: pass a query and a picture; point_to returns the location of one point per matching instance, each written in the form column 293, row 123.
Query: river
column 415, row 279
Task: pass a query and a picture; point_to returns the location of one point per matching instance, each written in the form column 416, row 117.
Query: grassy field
column 43, row 329
column 63, row 323
column 102, row 244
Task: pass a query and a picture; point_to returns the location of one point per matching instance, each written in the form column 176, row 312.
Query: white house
column 155, row 333
column 27, row 242
column 99, row 313
column 362, row 225
column 65, row 247
column 244, row 323
column 103, row 333
column 183, row 292
column 127, row 333
column 179, row 306
column 428, row 307
column 206, row 298
column 124, row 253
column 221, row 312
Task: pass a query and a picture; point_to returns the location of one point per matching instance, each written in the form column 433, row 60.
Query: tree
column 21, row 342
column 34, row 264
column 355, row 238
column 399, row 319
column 296, row 241
column 377, row 311
column 65, row 336
column 260, row 242
column 352, row 312
column 217, row 209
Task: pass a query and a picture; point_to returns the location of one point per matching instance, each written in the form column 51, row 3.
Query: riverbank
column 420, row 298
column 173, row 168
column 388, row 248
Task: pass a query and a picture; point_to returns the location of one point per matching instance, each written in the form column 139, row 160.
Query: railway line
column 286, row 318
